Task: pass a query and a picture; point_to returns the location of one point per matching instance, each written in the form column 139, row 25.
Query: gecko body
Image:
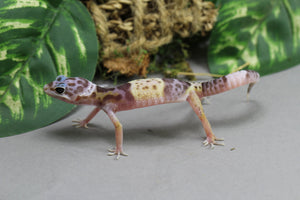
column 142, row 93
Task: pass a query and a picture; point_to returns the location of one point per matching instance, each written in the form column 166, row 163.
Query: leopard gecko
column 142, row 93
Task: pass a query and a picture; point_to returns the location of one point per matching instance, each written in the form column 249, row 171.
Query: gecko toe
column 113, row 150
column 219, row 139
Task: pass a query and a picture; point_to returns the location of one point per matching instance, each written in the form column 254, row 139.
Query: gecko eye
column 60, row 90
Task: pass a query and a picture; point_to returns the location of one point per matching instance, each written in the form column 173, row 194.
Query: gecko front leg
column 118, row 150
column 195, row 103
column 83, row 123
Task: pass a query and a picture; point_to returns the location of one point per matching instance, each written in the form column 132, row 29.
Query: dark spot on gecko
column 168, row 87
column 71, row 84
column 58, row 79
column 78, row 98
column 154, row 87
column 215, row 81
column 224, row 79
column 185, row 84
column 247, row 75
column 178, row 85
column 85, row 83
column 69, row 93
column 206, row 86
column 79, row 89
column 145, row 88
column 168, row 80
column 112, row 98
column 126, row 88
column 99, row 103
column 103, row 90
column 168, row 90
column 203, row 89
column 93, row 95
column 209, row 84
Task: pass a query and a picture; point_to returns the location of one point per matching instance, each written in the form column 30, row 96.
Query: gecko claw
column 79, row 123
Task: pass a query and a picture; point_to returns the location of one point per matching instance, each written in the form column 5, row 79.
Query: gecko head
column 70, row 90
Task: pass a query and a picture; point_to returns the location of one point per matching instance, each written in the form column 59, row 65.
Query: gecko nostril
column 46, row 87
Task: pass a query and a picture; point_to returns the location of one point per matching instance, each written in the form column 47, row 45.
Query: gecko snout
column 46, row 87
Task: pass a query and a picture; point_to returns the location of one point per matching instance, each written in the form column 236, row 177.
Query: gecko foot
column 116, row 152
column 79, row 123
column 213, row 142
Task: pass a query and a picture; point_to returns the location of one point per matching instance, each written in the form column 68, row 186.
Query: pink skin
column 143, row 93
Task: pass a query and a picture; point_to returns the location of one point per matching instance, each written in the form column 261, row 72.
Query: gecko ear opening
column 61, row 78
column 60, row 90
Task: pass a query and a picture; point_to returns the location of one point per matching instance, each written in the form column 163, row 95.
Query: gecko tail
column 229, row 82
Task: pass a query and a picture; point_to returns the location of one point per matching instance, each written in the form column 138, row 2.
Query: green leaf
column 265, row 33
column 40, row 39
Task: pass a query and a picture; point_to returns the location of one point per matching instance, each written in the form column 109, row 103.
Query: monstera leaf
column 40, row 39
column 265, row 33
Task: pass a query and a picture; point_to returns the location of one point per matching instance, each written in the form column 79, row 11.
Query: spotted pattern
column 175, row 89
column 147, row 91
column 143, row 92
column 76, row 90
column 228, row 82
column 214, row 86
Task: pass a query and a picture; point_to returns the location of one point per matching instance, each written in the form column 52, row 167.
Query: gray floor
column 260, row 159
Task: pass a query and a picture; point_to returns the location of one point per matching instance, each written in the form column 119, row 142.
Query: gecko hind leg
column 118, row 150
column 195, row 103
